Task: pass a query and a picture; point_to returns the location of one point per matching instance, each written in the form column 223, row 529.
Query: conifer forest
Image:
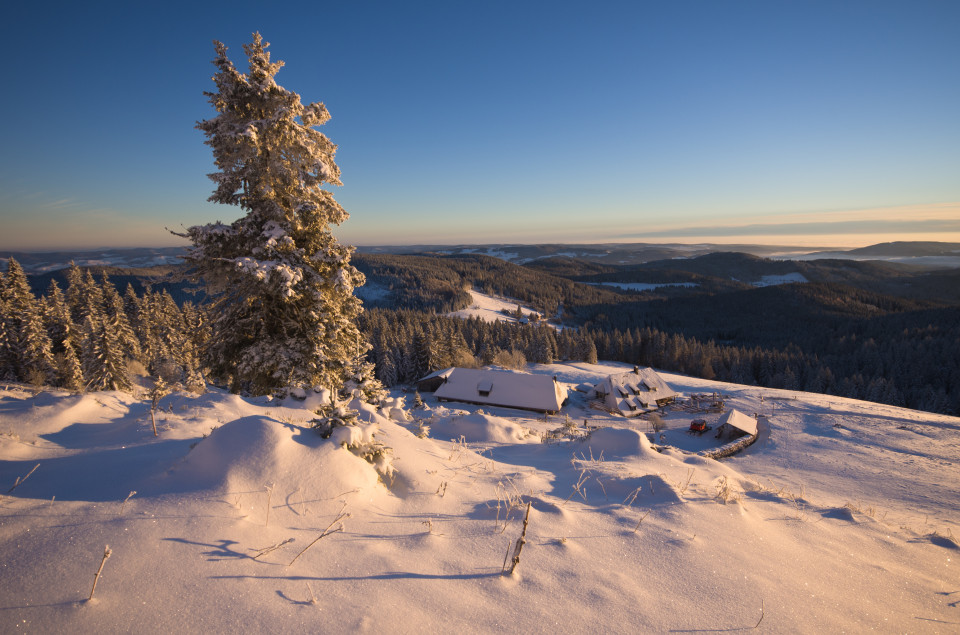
column 826, row 337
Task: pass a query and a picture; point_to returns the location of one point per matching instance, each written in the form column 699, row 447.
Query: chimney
column 636, row 370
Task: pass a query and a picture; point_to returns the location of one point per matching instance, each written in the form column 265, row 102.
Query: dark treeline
column 157, row 279
column 408, row 345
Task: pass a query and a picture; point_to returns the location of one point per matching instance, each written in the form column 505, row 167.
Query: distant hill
column 914, row 249
column 139, row 257
column 603, row 253
column 563, row 258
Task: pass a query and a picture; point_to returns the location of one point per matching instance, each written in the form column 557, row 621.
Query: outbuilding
column 733, row 424
column 433, row 381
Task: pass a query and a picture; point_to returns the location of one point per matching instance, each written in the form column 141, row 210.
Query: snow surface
column 489, row 308
column 843, row 517
column 372, row 292
column 772, row 280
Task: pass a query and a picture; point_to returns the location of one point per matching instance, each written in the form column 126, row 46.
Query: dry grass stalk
column 639, row 522
column 578, row 488
column 522, row 540
column 20, row 481
column 326, row 532
column 266, row 550
column 107, row 552
column 269, row 489
column 124, row 503
column 631, row 497
column 683, row 488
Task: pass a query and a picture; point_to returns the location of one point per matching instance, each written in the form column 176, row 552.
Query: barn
column 733, row 424
column 539, row 393
column 635, row 392
column 433, row 381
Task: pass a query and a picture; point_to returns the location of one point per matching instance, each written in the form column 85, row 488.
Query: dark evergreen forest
column 875, row 331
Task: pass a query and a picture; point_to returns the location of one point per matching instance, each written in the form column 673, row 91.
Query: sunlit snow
column 842, row 517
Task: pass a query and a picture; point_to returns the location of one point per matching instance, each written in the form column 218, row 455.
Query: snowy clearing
column 641, row 286
column 842, row 517
column 772, row 280
column 490, row 308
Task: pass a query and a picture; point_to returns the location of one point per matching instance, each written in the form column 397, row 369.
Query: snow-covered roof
column 502, row 388
column 437, row 373
column 739, row 420
column 637, row 390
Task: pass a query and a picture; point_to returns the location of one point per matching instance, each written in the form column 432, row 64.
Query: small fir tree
column 362, row 384
column 8, row 336
column 36, row 350
column 56, row 317
column 280, row 284
column 103, row 365
column 115, row 315
column 70, row 371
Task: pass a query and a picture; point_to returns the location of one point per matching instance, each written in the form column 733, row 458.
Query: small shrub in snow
column 656, row 423
column 159, row 390
column 333, row 416
column 423, row 430
column 568, row 430
column 341, row 425
column 512, row 359
column 726, row 491
column 362, row 384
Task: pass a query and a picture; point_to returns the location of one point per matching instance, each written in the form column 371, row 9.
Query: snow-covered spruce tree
column 115, row 316
column 362, row 384
column 281, row 285
column 104, row 367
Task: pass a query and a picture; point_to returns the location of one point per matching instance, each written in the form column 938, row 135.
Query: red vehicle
column 698, row 426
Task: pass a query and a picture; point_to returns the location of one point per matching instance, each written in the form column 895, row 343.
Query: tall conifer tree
column 281, row 285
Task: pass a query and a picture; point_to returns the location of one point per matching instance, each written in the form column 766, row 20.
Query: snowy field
column 843, row 517
column 642, row 286
column 489, row 308
column 787, row 278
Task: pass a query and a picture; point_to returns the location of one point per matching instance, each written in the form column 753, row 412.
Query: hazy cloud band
column 904, row 226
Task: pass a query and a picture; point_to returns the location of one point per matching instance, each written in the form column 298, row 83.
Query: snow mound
column 256, row 452
column 619, row 443
column 480, row 428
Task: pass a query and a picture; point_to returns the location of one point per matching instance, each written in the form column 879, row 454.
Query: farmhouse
column 635, row 392
column 539, row 393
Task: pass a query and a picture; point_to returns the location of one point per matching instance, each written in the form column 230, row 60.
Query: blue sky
column 823, row 123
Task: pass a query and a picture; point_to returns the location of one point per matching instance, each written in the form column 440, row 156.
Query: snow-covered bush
column 340, row 424
column 362, row 384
